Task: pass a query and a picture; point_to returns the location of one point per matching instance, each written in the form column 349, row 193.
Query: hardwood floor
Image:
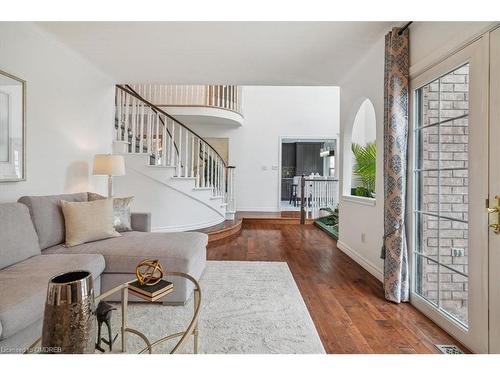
column 346, row 303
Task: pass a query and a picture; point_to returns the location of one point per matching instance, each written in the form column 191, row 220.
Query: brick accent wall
column 445, row 192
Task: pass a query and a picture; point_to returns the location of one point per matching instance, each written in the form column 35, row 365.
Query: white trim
column 365, row 201
column 200, row 114
column 494, row 189
column 358, row 258
column 186, row 227
column 448, row 50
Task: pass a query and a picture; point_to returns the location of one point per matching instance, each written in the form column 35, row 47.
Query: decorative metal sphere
column 149, row 272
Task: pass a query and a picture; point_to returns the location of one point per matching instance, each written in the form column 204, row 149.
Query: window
column 441, row 193
column 361, row 166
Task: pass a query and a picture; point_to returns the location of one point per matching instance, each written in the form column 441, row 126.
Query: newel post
column 302, row 200
column 230, row 194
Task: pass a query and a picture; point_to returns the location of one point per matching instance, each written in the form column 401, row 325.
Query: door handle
column 496, row 210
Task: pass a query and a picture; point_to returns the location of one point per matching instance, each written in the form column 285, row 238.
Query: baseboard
column 358, row 258
column 187, row 227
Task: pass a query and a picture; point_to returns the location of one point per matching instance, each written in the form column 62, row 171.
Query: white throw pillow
column 88, row 221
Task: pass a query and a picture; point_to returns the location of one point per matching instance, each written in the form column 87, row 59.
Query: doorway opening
column 313, row 159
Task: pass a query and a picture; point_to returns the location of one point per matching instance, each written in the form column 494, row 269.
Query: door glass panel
column 428, row 192
column 453, row 143
column 429, row 151
column 453, row 245
column 441, row 199
column 427, row 240
column 453, row 293
column 426, row 277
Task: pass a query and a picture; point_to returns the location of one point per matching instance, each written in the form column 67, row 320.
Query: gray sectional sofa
column 31, row 251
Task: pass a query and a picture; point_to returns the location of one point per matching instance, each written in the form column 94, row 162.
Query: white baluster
column 133, row 123
column 192, row 156
column 186, row 163
column 216, row 175
column 141, row 128
column 149, row 130
column 164, row 146
column 223, row 183
column 198, row 162
column 219, row 179
column 212, row 169
column 119, row 113
column 221, row 174
column 126, row 122
column 172, row 156
column 157, row 140
column 170, row 142
column 179, row 163
column 205, row 174
column 209, row 165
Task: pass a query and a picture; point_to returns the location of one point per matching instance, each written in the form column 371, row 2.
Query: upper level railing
column 216, row 96
column 148, row 129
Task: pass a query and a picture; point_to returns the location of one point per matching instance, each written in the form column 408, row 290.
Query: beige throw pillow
column 88, row 221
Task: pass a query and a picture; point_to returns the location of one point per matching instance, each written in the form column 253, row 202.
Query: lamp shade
column 109, row 165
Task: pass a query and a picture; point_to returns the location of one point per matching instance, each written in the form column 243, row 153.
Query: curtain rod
column 401, row 31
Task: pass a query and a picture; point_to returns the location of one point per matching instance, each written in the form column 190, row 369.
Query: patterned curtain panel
column 394, row 251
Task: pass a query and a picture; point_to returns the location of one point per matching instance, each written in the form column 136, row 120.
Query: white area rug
column 247, row 307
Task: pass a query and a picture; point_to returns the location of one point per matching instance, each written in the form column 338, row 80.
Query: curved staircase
column 170, row 170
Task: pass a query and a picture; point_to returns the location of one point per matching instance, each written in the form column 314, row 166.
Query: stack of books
column 150, row 293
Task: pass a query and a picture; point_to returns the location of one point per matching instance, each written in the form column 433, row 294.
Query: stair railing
column 317, row 193
column 147, row 129
column 217, row 96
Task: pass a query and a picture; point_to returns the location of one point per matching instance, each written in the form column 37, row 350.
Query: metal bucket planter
column 68, row 322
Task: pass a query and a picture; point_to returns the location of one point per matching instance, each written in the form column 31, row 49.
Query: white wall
column 364, row 81
column 364, row 129
column 271, row 112
column 69, row 112
column 429, row 41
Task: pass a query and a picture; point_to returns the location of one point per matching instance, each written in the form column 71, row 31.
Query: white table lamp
column 109, row 165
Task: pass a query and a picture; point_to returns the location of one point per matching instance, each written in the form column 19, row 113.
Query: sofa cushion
column 175, row 251
column 24, row 286
column 18, row 239
column 47, row 216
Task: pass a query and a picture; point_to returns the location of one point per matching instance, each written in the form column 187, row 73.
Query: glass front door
column 450, row 180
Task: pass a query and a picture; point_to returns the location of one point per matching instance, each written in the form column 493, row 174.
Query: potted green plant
column 365, row 168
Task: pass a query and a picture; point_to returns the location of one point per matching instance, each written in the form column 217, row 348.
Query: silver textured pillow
column 121, row 211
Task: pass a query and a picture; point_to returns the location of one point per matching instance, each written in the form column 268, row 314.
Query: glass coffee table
column 126, row 329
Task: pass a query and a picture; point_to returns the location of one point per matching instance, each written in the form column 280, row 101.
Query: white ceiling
column 245, row 53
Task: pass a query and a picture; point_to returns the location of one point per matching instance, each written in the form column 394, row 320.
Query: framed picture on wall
column 12, row 128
